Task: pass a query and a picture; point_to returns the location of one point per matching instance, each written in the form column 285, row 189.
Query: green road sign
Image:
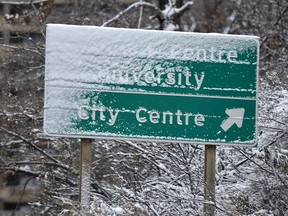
column 151, row 85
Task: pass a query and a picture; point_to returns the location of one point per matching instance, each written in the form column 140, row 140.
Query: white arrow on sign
column 235, row 117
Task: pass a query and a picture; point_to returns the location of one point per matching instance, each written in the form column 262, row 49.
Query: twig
column 140, row 15
column 277, row 121
column 279, row 177
column 22, row 194
column 247, row 159
column 231, row 18
column 184, row 8
column 194, row 24
column 24, row 49
column 282, row 15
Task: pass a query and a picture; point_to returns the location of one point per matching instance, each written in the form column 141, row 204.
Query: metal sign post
column 209, row 180
column 85, row 173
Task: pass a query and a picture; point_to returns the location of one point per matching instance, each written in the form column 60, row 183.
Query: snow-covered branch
column 185, row 7
column 167, row 17
column 132, row 7
column 36, row 163
column 24, row 171
column 38, row 51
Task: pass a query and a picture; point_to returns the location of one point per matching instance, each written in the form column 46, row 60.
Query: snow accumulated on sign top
column 155, row 85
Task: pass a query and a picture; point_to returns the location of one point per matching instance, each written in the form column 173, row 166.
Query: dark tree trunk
column 209, row 8
column 161, row 5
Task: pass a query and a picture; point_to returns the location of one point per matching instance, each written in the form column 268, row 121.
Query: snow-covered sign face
column 151, row 85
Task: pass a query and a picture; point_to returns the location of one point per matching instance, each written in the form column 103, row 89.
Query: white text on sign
column 142, row 115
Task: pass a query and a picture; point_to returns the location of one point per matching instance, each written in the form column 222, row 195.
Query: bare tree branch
column 35, row 147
